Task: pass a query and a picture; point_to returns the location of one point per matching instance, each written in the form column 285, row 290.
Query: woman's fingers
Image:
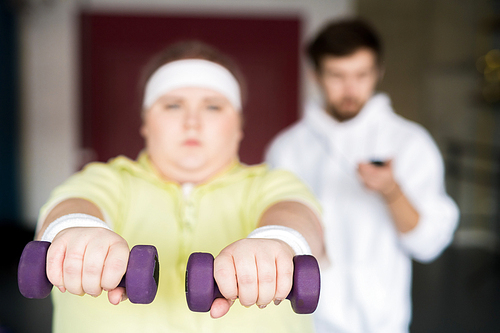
column 225, row 275
column 246, row 275
column 73, row 267
column 257, row 271
column 88, row 260
column 55, row 261
column 220, row 307
column 115, row 265
column 117, row 295
column 93, row 262
column 284, row 278
column 266, row 279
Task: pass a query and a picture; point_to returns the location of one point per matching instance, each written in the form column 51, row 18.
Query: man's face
column 348, row 82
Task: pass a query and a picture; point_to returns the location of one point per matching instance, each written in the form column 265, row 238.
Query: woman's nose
column 192, row 119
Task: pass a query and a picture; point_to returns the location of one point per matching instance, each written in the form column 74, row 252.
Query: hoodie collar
column 326, row 128
column 377, row 106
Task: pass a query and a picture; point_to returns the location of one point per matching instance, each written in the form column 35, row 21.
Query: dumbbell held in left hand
column 202, row 290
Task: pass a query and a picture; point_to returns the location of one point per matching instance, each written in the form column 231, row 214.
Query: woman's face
column 191, row 134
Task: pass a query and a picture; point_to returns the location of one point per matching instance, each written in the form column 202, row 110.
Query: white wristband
column 288, row 235
column 72, row 221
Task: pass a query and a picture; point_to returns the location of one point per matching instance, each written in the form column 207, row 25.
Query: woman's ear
column 143, row 129
column 242, row 125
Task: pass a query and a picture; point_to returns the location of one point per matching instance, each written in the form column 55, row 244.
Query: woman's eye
column 172, row 106
column 214, row 107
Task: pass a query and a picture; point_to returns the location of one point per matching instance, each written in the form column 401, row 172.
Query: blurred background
column 69, row 72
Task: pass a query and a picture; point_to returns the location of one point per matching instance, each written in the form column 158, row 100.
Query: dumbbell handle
column 141, row 279
column 202, row 290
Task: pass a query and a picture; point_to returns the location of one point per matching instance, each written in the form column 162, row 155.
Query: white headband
column 192, row 73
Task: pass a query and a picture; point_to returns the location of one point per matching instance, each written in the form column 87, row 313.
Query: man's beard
column 347, row 109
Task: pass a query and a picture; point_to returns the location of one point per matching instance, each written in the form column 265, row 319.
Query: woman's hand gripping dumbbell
column 202, row 289
column 72, row 267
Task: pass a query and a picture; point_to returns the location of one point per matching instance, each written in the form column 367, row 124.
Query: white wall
column 49, row 130
column 49, row 74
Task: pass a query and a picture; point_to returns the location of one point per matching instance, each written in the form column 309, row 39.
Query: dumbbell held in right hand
column 140, row 280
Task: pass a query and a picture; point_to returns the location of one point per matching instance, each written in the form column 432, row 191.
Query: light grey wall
column 431, row 51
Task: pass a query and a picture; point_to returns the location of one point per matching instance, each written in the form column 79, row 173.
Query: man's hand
column 379, row 178
column 87, row 261
column 257, row 271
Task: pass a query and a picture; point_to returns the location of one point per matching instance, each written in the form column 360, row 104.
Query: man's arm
column 380, row 178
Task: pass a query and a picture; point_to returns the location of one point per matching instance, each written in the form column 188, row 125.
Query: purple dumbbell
column 140, row 280
column 201, row 289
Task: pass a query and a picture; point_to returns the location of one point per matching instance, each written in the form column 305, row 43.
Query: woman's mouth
column 192, row 143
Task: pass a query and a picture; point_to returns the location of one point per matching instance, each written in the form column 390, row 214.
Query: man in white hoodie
column 380, row 179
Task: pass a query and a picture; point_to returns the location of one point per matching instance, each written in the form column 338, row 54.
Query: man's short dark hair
column 343, row 38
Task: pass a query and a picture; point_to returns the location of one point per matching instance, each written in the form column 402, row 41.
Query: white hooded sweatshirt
column 367, row 287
